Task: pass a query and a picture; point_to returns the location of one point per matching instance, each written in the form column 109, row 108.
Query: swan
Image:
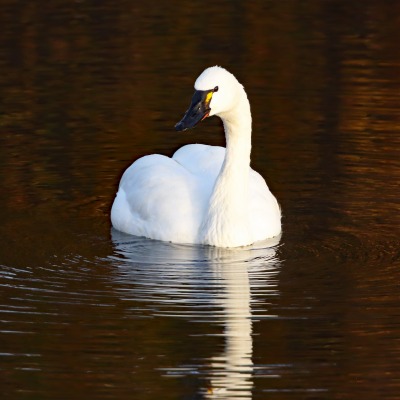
column 203, row 194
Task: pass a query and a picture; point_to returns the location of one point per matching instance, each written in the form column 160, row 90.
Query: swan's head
column 216, row 92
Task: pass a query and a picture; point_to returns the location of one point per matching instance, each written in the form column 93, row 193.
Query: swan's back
column 165, row 198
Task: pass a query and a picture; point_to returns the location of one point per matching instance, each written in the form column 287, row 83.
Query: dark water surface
column 88, row 313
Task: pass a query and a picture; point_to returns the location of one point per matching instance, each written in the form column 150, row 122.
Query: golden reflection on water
column 86, row 89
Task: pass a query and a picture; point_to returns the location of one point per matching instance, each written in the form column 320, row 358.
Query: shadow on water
column 208, row 285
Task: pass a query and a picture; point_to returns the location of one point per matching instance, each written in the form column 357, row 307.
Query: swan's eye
column 215, row 89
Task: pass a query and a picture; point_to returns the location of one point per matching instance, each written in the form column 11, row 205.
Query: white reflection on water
column 231, row 372
column 202, row 283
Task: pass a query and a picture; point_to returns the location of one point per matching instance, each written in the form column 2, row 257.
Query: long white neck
column 226, row 223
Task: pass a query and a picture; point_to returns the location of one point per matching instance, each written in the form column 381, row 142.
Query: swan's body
column 203, row 194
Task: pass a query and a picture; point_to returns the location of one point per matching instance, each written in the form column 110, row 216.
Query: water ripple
column 192, row 279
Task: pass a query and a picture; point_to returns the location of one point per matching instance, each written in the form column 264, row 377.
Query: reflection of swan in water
column 231, row 373
column 204, row 279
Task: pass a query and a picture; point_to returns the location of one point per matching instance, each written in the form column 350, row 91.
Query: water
column 86, row 312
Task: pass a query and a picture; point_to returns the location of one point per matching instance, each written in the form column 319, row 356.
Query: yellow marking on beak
column 208, row 97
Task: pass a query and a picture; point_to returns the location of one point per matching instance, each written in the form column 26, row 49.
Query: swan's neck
column 226, row 222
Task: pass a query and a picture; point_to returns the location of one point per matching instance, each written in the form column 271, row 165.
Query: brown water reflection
column 86, row 88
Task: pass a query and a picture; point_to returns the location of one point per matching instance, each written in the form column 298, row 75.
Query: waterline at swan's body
column 203, row 194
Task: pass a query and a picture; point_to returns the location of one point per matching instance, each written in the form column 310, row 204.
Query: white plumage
column 203, row 194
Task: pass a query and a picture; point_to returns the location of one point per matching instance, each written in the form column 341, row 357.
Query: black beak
column 198, row 110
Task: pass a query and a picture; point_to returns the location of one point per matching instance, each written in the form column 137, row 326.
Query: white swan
column 203, row 194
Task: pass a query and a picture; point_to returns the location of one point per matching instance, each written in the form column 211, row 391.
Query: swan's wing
column 201, row 159
column 265, row 214
column 157, row 198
